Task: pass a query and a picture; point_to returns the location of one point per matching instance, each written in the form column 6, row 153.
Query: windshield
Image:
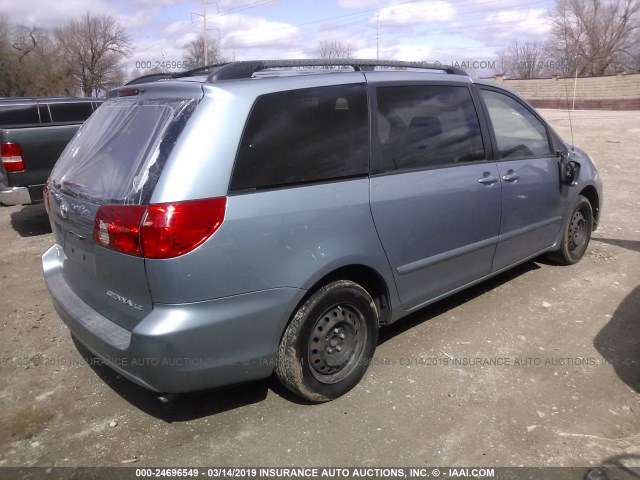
column 118, row 154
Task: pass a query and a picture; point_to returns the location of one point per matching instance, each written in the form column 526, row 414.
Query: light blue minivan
column 215, row 226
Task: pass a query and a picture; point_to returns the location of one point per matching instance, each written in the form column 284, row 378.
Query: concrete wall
column 614, row 92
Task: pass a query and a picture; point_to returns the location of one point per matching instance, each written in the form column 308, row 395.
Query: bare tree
column 5, row 26
column 24, row 41
column 591, row 35
column 335, row 49
column 524, row 60
column 635, row 58
column 19, row 52
column 8, row 59
column 194, row 52
column 30, row 63
column 47, row 69
column 93, row 48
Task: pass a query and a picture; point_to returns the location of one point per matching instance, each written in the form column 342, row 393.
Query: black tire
column 576, row 234
column 328, row 345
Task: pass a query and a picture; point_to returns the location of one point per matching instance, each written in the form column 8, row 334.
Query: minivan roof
column 249, row 69
column 48, row 99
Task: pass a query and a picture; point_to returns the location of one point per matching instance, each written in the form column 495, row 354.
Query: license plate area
column 76, row 248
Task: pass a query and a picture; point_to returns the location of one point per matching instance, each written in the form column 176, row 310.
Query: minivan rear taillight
column 158, row 231
column 11, row 157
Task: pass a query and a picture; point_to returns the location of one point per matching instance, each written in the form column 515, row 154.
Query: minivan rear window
column 118, row 154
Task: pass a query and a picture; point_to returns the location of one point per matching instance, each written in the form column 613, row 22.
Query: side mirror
column 569, row 170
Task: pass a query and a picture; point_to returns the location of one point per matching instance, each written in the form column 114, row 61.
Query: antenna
column 573, row 143
column 204, row 30
column 378, row 35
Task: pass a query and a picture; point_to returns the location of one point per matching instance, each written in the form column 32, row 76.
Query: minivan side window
column 305, row 135
column 519, row 134
column 24, row 114
column 70, row 112
column 421, row 126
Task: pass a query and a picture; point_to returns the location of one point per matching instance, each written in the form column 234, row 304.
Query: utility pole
column 204, row 27
column 204, row 31
column 378, row 35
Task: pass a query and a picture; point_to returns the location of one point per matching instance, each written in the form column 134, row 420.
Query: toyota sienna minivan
column 216, row 226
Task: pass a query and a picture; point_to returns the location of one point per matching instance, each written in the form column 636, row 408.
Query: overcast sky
column 432, row 30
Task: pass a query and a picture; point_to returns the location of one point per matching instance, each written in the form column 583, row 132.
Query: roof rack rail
column 246, row 69
column 154, row 77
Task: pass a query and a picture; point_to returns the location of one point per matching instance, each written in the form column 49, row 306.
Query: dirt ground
column 569, row 395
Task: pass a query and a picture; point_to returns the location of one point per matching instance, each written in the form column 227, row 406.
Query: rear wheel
column 328, row 344
column 576, row 234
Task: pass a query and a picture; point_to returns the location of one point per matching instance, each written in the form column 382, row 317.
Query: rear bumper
column 14, row 195
column 185, row 347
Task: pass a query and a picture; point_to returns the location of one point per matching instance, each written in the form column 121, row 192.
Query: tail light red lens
column 158, row 231
column 175, row 229
column 11, row 154
column 118, row 227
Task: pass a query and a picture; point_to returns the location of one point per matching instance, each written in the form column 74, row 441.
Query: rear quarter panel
column 289, row 237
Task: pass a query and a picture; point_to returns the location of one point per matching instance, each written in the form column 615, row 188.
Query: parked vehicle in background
column 246, row 218
column 33, row 134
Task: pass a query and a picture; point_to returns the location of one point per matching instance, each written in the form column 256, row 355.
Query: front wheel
column 576, row 234
column 328, row 344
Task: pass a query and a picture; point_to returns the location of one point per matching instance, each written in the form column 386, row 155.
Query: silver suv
column 253, row 217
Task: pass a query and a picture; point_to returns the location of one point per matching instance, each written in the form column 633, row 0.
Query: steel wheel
column 326, row 348
column 337, row 343
column 576, row 233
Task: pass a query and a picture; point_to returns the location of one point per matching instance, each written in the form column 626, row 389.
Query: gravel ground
column 545, row 408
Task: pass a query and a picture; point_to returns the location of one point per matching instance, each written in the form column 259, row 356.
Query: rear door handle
column 488, row 180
